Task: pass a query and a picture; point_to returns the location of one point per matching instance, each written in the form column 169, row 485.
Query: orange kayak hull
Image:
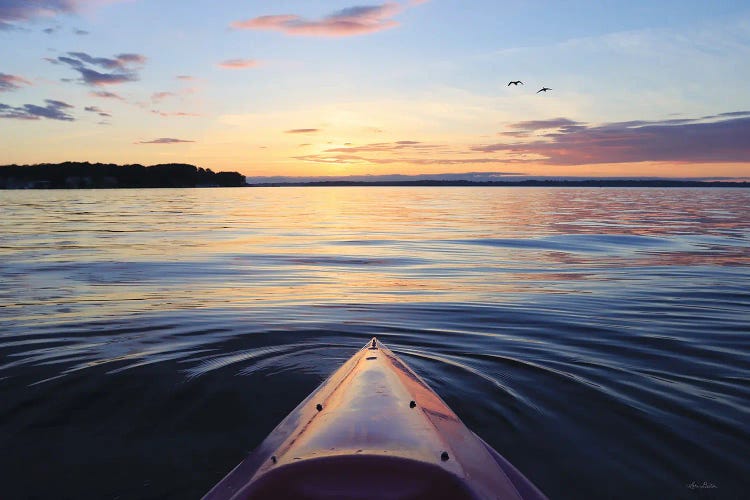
column 374, row 429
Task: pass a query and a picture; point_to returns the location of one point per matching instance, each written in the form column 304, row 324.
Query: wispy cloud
column 97, row 78
column 302, row 131
column 179, row 114
column 12, row 11
column 239, row 63
column 106, row 95
column 544, row 124
column 159, row 96
column 358, row 20
column 347, row 159
column 406, row 152
column 719, row 138
column 121, row 61
column 23, row 10
column 386, row 147
column 164, row 140
column 12, row 82
column 715, row 138
column 53, row 110
column 731, row 113
column 120, row 68
column 95, row 109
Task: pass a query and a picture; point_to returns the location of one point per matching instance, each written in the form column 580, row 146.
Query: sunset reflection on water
column 556, row 322
column 239, row 247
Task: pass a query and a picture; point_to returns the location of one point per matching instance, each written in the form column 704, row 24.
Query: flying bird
column 543, row 89
column 515, row 83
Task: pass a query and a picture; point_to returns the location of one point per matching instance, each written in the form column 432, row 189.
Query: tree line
column 83, row 175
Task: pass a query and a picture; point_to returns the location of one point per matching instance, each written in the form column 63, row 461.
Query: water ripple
column 602, row 327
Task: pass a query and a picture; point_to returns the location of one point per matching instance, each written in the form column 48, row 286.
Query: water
column 598, row 338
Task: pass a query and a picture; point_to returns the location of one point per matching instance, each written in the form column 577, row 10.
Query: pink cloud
column 351, row 21
column 265, row 22
column 180, row 114
column 158, row 96
column 12, row 82
column 239, row 63
column 131, row 59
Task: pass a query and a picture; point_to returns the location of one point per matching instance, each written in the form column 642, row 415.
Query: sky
column 413, row 87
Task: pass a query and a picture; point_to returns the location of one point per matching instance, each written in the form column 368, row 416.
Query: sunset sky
column 329, row 87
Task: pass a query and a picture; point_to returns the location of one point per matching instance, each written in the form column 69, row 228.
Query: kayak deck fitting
column 374, row 429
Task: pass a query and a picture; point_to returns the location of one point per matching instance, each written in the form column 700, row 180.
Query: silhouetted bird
column 543, row 89
column 515, row 83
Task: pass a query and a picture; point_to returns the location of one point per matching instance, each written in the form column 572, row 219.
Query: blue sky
column 414, row 87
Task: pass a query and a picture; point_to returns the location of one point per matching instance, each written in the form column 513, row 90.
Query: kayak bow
column 374, row 429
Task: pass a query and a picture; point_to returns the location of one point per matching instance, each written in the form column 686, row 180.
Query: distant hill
column 494, row 179
column 85, row 175
column 521, row 183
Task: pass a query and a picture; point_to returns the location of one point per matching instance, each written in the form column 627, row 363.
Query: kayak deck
column 374, row 429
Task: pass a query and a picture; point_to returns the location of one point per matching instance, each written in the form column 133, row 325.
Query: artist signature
column 705, row 485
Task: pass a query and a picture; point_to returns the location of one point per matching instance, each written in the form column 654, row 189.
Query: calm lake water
column 598, row 338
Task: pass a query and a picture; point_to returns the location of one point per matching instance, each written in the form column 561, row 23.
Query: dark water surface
column 598, row 338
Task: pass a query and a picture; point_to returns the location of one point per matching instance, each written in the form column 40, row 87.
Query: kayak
column 374, row 429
